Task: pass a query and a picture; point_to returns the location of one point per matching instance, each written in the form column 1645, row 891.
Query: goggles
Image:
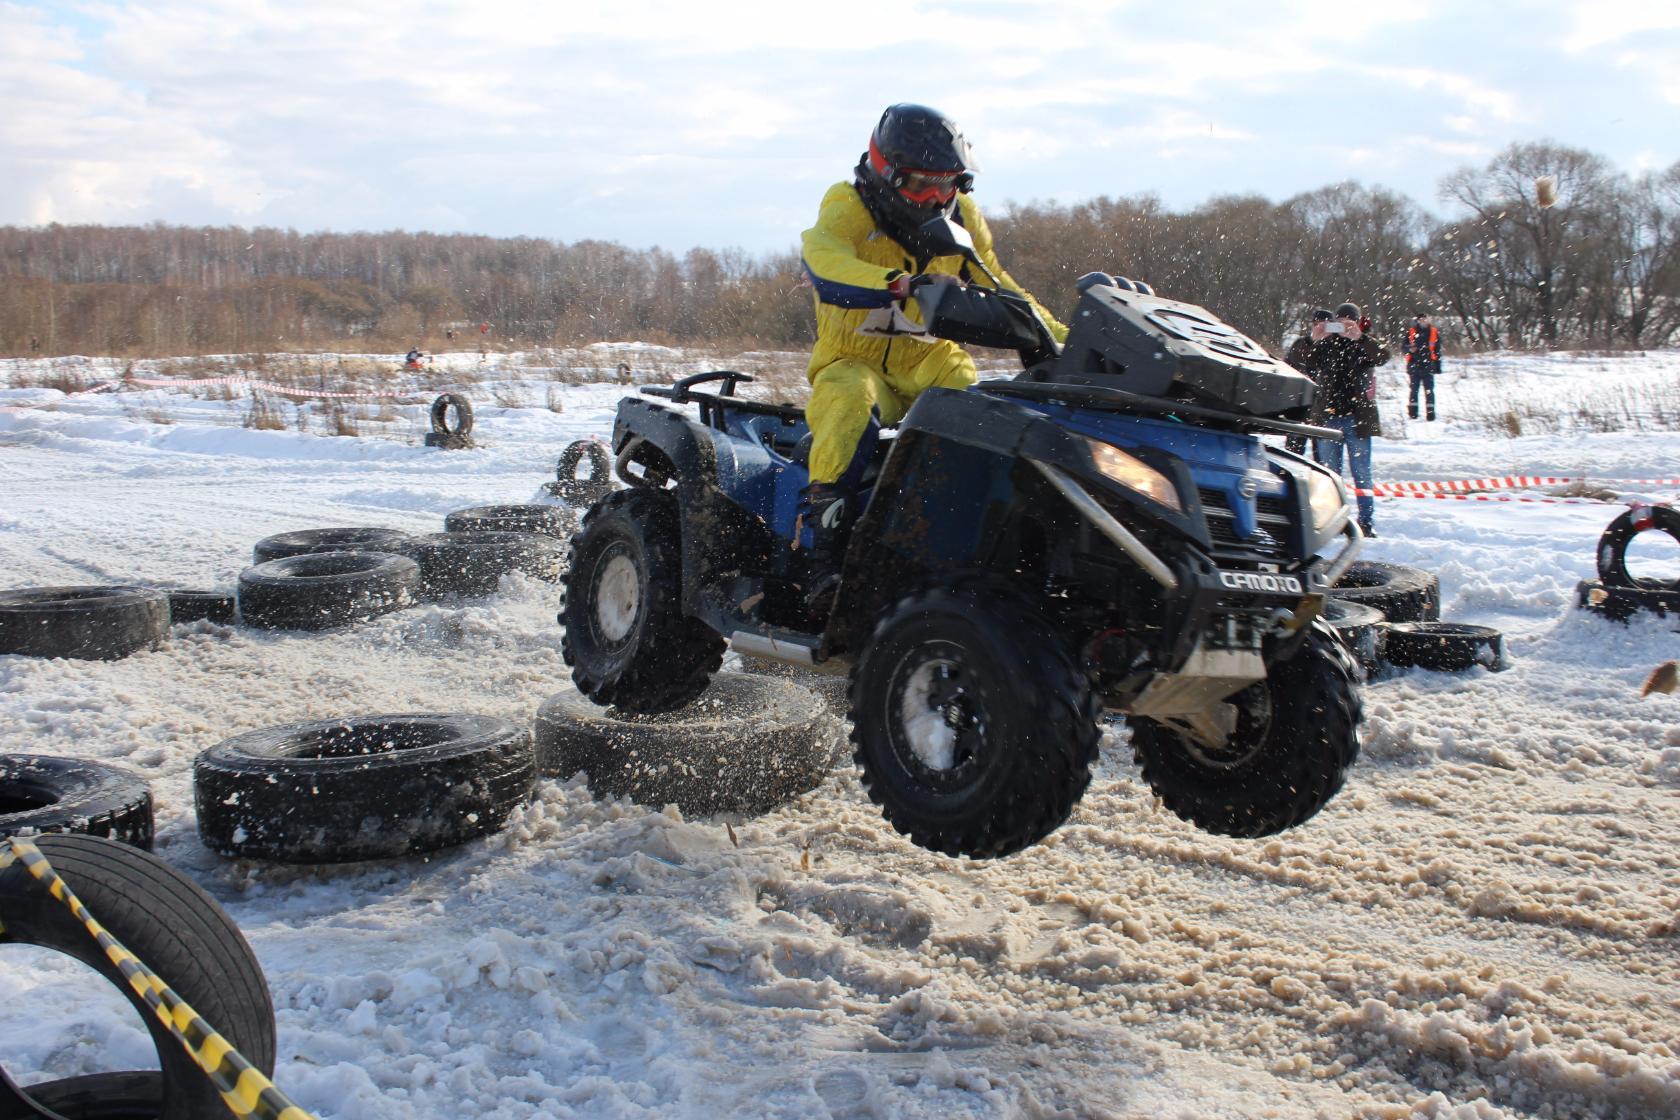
column 920, row 187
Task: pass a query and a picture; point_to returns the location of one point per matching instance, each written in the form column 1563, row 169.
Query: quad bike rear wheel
column 627, row 639
column 974, row 728
column 1297, row 734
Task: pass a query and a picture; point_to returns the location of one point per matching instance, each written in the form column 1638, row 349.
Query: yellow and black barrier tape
column 244, row 1089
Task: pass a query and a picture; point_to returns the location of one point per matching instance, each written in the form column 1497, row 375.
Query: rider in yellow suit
column 861, row 257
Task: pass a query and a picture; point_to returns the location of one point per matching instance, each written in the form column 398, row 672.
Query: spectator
column 1342, row 359
column 412, row 359
column 1299, row 351
column 449, row 334
column 1423, row 362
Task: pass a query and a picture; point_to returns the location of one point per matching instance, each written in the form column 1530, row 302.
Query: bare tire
column 371, row 787
column 974, row 728
column 460, row 406
column 1297, row 734
column 201, row 606
column 129, row 1095
column 1613, row 545
column 473, row 564
column 555, row 521
column 627, row 639
column 745, row 745
column 1447, row 647
column 1361, row 629
column 1622, row 603
column 98, row 623
column 179, row 932
column 321, row 590
column 42, row 793
column 304, row 541
column 590, row 488
column 1402, row 593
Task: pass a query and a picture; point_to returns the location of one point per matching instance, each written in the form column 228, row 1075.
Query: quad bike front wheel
column 973, row 726
column 627, row 639
column 1296, row 736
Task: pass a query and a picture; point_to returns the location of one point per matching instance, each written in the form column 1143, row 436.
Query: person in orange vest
column 1423, row 361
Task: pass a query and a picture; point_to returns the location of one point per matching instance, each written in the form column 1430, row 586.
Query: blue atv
column 1106, row 531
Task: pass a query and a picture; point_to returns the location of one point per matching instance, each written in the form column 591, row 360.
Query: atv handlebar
column 679, row 392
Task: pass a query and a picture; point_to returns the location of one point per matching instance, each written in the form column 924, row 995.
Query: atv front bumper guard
column 1320, row 575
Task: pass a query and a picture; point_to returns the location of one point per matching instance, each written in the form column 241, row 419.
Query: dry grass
column 556, row 399
column 264, row 415
column 509, row 396
column 1621, row 408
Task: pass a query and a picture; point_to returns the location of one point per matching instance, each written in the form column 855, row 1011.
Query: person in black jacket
column 1343, row 359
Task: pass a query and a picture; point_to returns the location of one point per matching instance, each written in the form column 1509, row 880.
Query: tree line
column 1546, row 246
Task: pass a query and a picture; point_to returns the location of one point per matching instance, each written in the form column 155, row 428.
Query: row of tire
column 385, row 786
column 1390, row 615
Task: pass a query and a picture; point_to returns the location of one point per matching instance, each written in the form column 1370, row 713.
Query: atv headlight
column 1325, row 499
column 1135, row 474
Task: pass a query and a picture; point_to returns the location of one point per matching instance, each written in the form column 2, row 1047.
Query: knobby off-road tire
column 41, row 793
column 320, row 590
column 554, row 521
column 591, row 488
column 1402, row 593
column 1613, row 545
column 177, row 931
column 746, row 745
column 473, row 564
column 1297, row 734
column 305, row 541
column 627, row 640
column 98, row 623
column 973, row 726
column 1362, row 629
column 372, row 787
column 1447, row 647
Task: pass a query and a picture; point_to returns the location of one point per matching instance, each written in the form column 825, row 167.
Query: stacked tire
column 1619, row 594
column 1390, row 614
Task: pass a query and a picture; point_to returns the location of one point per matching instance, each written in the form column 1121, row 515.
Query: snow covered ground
column 1485, row 923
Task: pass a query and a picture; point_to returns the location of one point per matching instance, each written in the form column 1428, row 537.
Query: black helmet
column 918, row 159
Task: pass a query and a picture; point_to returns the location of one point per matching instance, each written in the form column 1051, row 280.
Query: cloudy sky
column 672, row 124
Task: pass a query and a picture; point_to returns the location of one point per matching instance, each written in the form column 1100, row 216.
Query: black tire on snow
column 201, row 606
column 553, row 521
column 594, row 486
column 463, row 415
column 130, row 1095
column 1447, row 647
column 370, row 787
column 43, row 793
column 304, row 541
column 1281, row 767
column 473, row 564
column 1613, row 545
column 320, row 590
column 974, row 727
column 832, row 688
column 1402, row 593
column 626, row 638
column 1361, row 629
column 746, row 745
column 90, row 623
column 1622, row 603
column 174, row 928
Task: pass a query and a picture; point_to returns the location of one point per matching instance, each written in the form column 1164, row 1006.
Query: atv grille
column 1272, row 518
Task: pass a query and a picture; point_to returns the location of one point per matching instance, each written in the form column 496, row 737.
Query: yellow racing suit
column 850, row 263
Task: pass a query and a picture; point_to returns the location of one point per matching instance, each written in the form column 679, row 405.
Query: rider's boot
column 826, row 509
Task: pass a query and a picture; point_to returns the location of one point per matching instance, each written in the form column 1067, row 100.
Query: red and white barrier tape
column 1500, row 498
column 1507, row 482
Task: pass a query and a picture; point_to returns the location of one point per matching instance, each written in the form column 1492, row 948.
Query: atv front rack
column 1097, row 396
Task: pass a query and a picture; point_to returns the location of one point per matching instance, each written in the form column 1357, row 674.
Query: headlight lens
column 1134, row 474
column 1324, row 497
